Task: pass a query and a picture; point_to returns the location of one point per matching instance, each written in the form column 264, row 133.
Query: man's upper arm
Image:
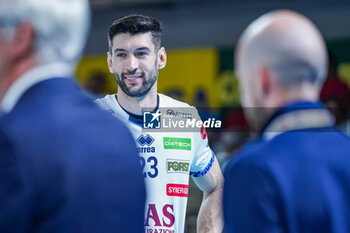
column 205, row 169
column 212, row 179
column 249, row 199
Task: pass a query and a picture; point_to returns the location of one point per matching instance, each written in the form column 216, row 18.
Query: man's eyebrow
column 143, row 49
column 137, row 50
column 119, row 50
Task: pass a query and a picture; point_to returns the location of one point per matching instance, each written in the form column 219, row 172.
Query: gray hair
column 294, row 72
column 61, row 26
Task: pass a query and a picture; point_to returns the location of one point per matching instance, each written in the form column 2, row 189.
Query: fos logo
column 177, row 166
column 151, row 120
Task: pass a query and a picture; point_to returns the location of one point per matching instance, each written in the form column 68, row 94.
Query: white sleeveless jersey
column 167, row 158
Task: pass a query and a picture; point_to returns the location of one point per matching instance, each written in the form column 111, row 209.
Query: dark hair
column 134, row 24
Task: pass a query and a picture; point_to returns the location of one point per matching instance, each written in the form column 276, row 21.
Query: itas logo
column 177, row 166
column 160, row 216
column 151, row 120
column 145, row 141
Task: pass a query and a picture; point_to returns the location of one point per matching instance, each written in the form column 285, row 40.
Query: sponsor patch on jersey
column 203, row 133
column 177, row 143
column 145, row 142
column 177, row 166
column 159, row 216
column 177, row 190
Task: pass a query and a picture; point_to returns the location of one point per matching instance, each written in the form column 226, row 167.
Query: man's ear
column 23, row 41
column 161, row 58
column 265, row 81
column 109, row 62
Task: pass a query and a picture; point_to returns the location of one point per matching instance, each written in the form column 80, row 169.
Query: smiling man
column 135, row 57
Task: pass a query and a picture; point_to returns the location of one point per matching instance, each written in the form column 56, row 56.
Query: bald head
column 280, row 57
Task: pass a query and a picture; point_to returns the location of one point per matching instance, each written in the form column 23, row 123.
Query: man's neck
column 135, row 105
column 13, row 73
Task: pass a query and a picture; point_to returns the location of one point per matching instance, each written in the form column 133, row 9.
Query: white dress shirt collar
column 29, row 79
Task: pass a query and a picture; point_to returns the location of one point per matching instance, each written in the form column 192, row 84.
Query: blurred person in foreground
column 335, row 94
column 135, row 56
column 296, row 176
column 63, row 161
column 95, row 85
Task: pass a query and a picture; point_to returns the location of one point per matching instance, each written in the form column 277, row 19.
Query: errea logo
column 145, row 142
column 177, row 166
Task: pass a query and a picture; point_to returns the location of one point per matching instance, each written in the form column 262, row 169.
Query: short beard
column 147, row 84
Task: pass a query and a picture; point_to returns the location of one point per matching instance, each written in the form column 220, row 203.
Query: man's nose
column 132, row 64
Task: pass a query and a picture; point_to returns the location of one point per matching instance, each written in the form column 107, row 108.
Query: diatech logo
column 151, row 120
column 145, row 141
column 177, row 166
column 177, row 143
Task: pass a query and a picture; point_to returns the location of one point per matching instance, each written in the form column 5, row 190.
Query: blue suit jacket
column 295, row 182
column 67, row 166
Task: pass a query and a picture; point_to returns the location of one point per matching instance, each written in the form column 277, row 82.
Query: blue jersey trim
column 137, row 119
column 206, row 169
